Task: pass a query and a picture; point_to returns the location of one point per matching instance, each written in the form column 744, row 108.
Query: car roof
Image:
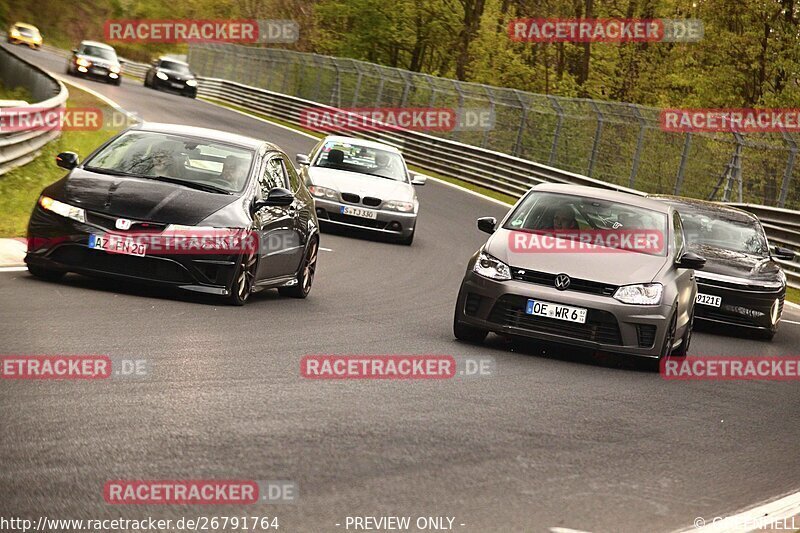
column 361, row 142
column 702, row 204
column 605, row 194
column 26, row 25
column 205, row 133
column 98, row 44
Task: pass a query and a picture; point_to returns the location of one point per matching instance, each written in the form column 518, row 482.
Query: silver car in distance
column 577, row 265
column 362, row 184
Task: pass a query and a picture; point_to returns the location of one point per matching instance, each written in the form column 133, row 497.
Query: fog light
column 394, row 226
column 113, row 76
column 82, row 69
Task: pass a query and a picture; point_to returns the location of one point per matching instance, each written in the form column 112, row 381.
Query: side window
column 294, row 178
column 272, row 176
column 677, row 231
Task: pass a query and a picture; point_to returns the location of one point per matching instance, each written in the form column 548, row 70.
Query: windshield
column 27, row 32
column 719, row 227
column 96, row 51
column 198, row 161
column 177, row 67
column 362, row 159
column 564, row 213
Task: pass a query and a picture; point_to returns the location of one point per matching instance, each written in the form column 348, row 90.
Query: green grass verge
column 14, row 93
column 465, row 184
column 793, row 295
column 20, row 188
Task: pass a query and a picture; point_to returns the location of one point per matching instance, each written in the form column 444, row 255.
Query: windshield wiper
column 176, row 181
column 191, row 184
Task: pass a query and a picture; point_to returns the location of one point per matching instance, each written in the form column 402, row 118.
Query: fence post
column 596, row 141
column 787, row 173
column 687, row 143
column 639, row 142
column 557, row 133
column 522, row 124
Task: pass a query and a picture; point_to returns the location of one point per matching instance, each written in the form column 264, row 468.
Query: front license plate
column 176, row 85
column 707, row 299
column 359, row 212
column 99, row 71
column 558, row 311
column 117, row 244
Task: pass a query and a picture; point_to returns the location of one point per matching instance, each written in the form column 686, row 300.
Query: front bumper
column 28, row 41
column 743, row 306
column 174, row 86
column 386, row 221
column 612, row 326
column 97, row 73
column 59, row 243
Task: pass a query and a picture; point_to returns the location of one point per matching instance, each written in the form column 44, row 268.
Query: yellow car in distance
column 21, row 33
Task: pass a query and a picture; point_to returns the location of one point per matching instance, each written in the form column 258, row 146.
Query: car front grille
column 576, row 284
column 109, row 222
column 600, row 326
column 371, row 201
column 141, row 267
column 350, row 198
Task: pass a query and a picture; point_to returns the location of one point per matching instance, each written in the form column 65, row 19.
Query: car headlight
column 490, row 267
column 640, row 294
column 14, row 33
column 191, row 83
column 114, row 69
column 394, row 205
column 160, row 75
column 322, row 192
column 60, row 208
column 81, row 62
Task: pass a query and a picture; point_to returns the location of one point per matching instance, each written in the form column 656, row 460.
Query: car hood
column 100, row 61
column 362, row 184
column 137, row 198
column 616, row 267
column 737, row 265
column 176, row 75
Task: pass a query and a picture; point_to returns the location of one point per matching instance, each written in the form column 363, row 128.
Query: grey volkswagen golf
column 583, row 266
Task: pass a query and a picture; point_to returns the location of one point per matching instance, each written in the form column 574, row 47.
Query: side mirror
column 691, row 260
column 302, row 159
column 121, row 61
column 67, row 160
column 487, row 224
column 276, row 197
column 74, row 50
column 154, row 62
column 419, row 179
column 783, row 253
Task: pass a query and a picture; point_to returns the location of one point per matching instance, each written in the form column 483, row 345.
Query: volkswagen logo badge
column 562, row 282
column 123, row 223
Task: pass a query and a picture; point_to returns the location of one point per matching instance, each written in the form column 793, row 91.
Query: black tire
column 464, row 332
column 46, row 273
column 768, row 334
column 242, row 285
column 669, row 338
column 683, row 349
column 305, row 275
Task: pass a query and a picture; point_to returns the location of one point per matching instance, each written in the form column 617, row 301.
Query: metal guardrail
column 23, row 142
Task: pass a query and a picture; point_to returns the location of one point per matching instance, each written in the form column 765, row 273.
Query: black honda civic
column 198, row 209
column 741, row 283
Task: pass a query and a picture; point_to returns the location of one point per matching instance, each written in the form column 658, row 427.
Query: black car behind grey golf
column 742, row 284
column 159, row 178
column 172, row 75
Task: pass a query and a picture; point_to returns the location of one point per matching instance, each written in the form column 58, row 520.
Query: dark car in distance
column 129, row 210
column 742, row 284
column 171, row 75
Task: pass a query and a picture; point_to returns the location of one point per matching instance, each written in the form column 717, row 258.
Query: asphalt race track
column 557, row 438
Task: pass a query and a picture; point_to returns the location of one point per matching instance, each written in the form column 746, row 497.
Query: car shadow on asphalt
column 572, row 354
column 355, row 233
column 144, row 290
